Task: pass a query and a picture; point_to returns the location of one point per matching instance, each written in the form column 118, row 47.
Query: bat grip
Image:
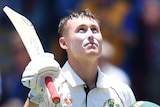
column 52, row 90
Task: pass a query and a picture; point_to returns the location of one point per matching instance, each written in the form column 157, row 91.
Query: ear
column 62, row 43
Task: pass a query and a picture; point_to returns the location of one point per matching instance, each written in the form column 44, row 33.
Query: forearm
column 28, row 103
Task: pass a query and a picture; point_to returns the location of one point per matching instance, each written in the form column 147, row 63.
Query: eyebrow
column 84, row 24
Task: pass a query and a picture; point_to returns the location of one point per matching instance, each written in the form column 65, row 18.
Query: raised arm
column 28, row 103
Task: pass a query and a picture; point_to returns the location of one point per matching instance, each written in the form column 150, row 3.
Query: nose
column 90, row 35
column 91, row 38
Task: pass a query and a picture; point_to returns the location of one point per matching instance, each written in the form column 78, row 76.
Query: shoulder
column 122, row 88
column 124, row 91
column 119, row 86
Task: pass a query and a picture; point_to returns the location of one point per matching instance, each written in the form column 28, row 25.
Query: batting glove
column 34, row 75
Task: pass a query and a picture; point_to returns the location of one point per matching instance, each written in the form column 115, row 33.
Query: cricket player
column 80, row 82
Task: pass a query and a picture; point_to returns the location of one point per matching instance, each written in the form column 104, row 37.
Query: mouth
column 90, row 44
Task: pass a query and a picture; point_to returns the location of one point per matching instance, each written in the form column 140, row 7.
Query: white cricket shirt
column 73, row 91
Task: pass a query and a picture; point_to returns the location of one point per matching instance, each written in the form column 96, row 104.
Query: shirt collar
column 70, row 75
column 103, row 81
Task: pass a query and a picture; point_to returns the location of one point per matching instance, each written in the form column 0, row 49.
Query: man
column 80, row 82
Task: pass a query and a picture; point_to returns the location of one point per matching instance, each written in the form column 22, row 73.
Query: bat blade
column 26, row 32
column 32, row 43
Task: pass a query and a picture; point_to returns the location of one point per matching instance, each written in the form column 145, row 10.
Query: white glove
column 35, row 97
column 34, row 74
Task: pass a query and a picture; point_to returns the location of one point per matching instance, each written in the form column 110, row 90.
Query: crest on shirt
column 110, row 103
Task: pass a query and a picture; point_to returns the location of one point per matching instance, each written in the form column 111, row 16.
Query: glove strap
column 35, row 97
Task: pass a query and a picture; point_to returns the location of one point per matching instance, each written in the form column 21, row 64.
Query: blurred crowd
column 131, row 32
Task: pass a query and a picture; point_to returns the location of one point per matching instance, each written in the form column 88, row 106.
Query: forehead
column 77, row 21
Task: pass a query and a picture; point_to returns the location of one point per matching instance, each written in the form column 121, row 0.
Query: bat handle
column 52, row 90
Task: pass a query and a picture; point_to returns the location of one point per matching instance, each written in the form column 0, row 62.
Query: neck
column 86, row 70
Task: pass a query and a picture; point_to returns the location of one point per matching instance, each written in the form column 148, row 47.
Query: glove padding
column 35, row 97
column 42, row 66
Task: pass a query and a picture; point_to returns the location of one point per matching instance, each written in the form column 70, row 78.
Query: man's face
column 83, row 37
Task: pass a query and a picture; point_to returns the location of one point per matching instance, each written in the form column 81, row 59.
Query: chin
column 93, row 54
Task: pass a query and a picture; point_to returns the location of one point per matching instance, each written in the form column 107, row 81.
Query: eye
column 82, row 30
column 94, row 30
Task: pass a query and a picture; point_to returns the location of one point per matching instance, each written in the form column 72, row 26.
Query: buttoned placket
column 86, row 89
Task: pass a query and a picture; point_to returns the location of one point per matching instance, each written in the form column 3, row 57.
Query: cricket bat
column 32, row 43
